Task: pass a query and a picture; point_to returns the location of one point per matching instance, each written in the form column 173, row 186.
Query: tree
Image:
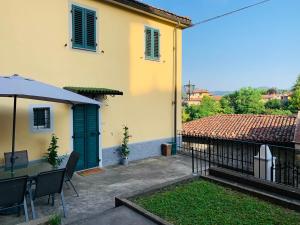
column 278, row 112
column 272, row 91
column 273, row 104
column 185, row 115
column 208, row 107
column 226, row 106
column 297, row 84
column 295, row 99
column 247, row 101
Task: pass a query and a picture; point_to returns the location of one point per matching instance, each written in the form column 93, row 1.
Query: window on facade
column 83, row 28
column 41, row 118
column 152, row 44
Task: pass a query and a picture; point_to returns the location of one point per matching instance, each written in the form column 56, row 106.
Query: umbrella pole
column 12, row 159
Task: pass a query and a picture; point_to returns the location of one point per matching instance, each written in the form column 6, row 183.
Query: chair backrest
column 12, row 191
column 21, row 158
column 50, row 182
column 71, row 164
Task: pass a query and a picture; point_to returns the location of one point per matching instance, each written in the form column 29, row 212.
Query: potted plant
column 52, row 155
column 124, row 149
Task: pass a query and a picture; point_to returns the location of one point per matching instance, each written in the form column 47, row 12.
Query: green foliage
column 244, row 101
column 272, row 91
column 278, row 112
column 226, row 105
column 208, row 107
column 297, row 84
column 205, row 203
column 124, row 149
column 52, row 155
column 295, row 100
column 54, row 220
column 273, row 104
column 185, row 115
column 247, row 101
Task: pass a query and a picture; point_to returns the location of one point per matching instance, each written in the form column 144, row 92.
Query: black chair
column 48, row 184
column 21, row 159
column 12, row 192
column 70, row 169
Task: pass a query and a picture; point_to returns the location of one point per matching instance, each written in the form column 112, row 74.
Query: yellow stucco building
column 132, row 49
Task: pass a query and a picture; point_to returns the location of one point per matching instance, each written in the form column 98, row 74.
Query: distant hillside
column 221, row 93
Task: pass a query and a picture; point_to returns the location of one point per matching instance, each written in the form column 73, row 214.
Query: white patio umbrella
column 19, row 87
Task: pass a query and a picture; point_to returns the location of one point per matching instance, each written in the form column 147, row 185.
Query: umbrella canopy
column 19, row 87
column 22, row 87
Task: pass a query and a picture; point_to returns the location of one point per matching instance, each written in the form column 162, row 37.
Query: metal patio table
column 32, row 170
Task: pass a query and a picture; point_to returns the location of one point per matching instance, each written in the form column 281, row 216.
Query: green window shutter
column 83, row 28
column 156, row 43
column 77, row 27
column 152, row 44
column 90, row 29
column 148, row 43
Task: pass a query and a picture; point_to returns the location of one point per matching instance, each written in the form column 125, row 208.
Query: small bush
column 54, row 220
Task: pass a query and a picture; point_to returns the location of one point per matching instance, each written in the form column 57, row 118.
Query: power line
column 229, row 13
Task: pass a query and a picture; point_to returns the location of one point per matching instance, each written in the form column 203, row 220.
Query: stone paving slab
column 116, row 216
column 97, row 192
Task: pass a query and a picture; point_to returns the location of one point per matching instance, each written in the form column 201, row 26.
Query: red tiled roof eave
column 254, row 128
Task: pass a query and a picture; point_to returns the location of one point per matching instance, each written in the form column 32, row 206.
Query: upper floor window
column 83, row 28
column 152, row 44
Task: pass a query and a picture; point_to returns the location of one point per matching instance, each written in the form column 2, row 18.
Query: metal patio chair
column 21, row 159
column 48, row 184
column 13, row 194
column 70, row 169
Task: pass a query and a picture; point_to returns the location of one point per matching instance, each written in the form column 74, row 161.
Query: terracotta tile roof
column 217, row 97
column 186, row 21
column 258, row 128
column 200, row 91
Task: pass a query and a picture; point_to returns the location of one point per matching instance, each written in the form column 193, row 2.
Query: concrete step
column 116, row 216
column 281, row 200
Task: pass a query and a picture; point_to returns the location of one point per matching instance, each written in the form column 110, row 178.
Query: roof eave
column 179, row 22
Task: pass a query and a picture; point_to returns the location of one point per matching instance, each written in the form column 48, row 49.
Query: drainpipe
column 175, row 79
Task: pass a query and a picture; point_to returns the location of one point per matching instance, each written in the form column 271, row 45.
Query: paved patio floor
column 97, row 192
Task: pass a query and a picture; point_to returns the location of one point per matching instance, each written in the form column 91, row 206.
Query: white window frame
column 34, row 129
column 97, row 51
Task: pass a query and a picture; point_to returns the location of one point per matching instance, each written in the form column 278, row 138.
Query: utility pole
column 189, row 88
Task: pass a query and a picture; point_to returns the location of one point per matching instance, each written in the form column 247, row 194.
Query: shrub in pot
column 124, row 148
column 52, row 154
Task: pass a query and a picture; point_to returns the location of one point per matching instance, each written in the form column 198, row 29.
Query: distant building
column 282, row 97
column 197, row 95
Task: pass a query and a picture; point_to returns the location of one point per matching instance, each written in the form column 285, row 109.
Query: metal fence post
column 193, row 163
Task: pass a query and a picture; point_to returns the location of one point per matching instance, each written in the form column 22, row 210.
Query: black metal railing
column 265, row 161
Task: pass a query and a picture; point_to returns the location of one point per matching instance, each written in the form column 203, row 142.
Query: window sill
column 152, row 59
column 84, row 49
column 41, row 130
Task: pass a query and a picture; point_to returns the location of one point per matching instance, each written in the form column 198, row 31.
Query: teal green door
column 86, row 135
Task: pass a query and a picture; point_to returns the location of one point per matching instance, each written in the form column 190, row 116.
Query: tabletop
column 31, row 170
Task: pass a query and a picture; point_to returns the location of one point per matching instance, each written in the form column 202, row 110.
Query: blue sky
column 258, row 47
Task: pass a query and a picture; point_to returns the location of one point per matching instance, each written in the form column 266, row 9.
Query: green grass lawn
column 202, row 202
